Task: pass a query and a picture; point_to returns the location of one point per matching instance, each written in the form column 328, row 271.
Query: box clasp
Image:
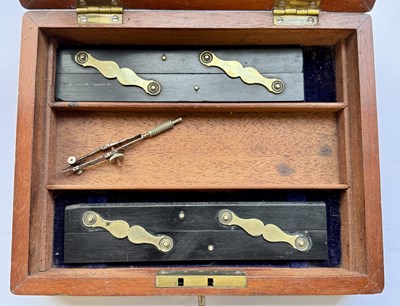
column 201, row 279
column 296, row 12
column 99, row 11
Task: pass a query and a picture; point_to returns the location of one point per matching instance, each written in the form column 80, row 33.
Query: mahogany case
column 308, row 147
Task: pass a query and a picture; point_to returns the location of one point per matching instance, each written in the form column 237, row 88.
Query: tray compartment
column 206, row 150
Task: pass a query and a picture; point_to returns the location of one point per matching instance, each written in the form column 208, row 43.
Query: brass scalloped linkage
column 248, row 75
column 111, row 70
column 270, row 232
column 121, row 229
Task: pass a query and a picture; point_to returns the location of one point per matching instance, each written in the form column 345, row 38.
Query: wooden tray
column 308, row 146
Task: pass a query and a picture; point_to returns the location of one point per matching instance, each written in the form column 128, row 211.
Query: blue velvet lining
column 319, row 74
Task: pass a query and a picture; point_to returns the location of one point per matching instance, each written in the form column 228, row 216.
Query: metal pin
column 181, row 215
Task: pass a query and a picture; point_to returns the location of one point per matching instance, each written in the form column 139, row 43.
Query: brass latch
column 201, row 279
column 99, row 11
column 296, row 12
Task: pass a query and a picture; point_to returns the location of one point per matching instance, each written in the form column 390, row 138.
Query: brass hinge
column 296, row 12
column 99, row 11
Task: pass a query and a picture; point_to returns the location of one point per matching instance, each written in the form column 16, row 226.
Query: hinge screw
column 282, row 3
column 115, row 18
column 312, row 4
column 82, row 2
column 114, row 2
column 310, row 20
column 279, row 20
column 83, row 18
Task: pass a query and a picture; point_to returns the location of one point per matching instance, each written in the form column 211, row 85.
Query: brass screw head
column 81, row 57
column 302, row 243
column 154, row 88
column 196, row 88
column 181, row 215
column 206, row 57
column 166, row 244
column 164, row 57
column 210, row 248
column 225, row 217
column 89, row 218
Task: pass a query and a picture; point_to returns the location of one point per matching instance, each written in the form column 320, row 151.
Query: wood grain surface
column 362, row 268
column 191, row 28
column 206, row 150
column 327, row 5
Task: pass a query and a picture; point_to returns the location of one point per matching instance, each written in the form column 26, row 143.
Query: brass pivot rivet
column 181, row 215
column 154, row 88
column 196, row 88
column 166, row 244
column 210, row 248
column 302, row 243
column 225, row 217
column 89, row 219
column 164, row 57
column 81, row 57
column 206, row 57
column 278, row 86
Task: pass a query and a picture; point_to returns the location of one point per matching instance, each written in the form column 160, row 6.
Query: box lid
column 326, row 5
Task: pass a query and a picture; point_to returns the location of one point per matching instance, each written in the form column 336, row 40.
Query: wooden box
column 268, row 148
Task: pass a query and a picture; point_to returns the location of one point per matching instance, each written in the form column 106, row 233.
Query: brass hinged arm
column 121, row 229
column 111, row 70
column 270, row 232
column 249, row 75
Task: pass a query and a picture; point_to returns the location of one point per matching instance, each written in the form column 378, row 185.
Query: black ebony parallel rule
column 181, row 75
column 195, row 231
